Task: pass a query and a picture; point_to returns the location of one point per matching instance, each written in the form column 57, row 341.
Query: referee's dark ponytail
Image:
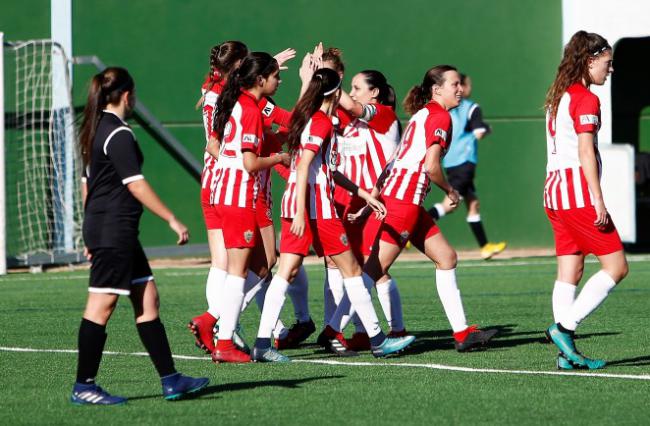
column 253, row 66
column 420, row 95
column 105, row 88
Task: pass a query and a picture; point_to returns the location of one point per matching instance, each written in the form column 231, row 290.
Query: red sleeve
column 585, row 112
column 319, row 131
column 384, row 118
column 282, row 170
column 251, row 132
column 344, row 118
column 273, row 114
column 437, row 130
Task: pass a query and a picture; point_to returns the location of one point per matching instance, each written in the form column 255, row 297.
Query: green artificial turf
column 43, row 311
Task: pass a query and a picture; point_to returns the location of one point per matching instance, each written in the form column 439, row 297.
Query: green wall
column 509, row 47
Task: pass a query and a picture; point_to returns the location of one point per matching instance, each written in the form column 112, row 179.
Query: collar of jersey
column 111, row 112
column 249, row 94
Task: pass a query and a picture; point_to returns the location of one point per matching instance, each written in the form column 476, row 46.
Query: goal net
column 42, row 166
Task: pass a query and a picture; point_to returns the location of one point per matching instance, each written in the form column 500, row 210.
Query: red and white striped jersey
column 367, row 144
column 566, row 186
column 233, row 185
column 210, row 96
column 407, row 180
column 318, row 136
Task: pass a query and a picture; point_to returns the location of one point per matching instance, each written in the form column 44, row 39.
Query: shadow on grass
column 638, row 361
column 241, row 386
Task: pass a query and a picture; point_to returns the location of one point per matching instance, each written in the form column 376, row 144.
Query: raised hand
column 284, row 56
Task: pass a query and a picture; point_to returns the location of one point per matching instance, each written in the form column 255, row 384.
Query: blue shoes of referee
column 572, row 358
column 92, row 394
column 391, row 345
column 177, row 386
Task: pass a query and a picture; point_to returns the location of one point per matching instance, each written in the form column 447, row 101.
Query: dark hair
column 335, row 56
column 223, row 58
column 377, row 80
column 463, row 78
column 254, row 65
column 574, row 66
column 420, row 95
column 105, row 88
column 323, row 81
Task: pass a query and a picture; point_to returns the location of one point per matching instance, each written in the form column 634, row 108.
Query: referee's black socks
column 92, row 337
column 476, row 226
column 154, row 339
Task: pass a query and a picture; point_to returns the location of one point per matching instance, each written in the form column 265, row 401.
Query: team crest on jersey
column 344, row 239
column 248, row 138
column 441, row 134
column 589, row 119
column 248, row 235
column 268, row 109
column 404, row 235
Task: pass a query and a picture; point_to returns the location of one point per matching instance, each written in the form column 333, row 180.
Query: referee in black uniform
column 114, row 192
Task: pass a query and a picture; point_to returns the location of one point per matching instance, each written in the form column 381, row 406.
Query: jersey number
column 407, row 140
column 229, row 133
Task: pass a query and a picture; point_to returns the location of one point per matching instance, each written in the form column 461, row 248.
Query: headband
column 329, row 92
column 601, row 50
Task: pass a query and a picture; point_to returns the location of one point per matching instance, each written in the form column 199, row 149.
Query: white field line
column 371, row 364
column 397, row 266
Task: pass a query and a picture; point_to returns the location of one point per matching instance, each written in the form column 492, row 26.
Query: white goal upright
column 41, row 166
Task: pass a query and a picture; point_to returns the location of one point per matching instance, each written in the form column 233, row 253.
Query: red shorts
column 403, row 222
column 575, row 233
column 210, row 216
column 263, row 214
column 354, row 231
column 327, row 236
column 242, row 230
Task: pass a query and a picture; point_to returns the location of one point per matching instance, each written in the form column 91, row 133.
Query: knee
column 447, row 260
column 272, row 260
column 329, row 263
column 619, row 272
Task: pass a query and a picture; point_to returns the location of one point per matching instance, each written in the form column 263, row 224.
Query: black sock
column 154, row 339
column 92, row 337
column 262, row 343
column 378, row 339
column 433, row 212
column 479, row 232
column 565, row 330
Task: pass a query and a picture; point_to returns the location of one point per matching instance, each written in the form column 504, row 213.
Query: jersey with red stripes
column 211, row 92
column 233, row 185
column 566, row 186
column 318, row 136
column 367, row 144
column 407, row 180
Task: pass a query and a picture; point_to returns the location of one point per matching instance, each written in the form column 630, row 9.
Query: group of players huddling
column 355, row 184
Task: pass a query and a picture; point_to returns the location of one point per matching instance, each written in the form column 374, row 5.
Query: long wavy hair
column 223, row 58
column 322, row 86
column 254, row 65
column 574, row 66
column 420, row 94
column 105, row 88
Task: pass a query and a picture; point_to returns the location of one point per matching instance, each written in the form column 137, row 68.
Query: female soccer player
column 309, row 192
column 415, row 164
column 238, row 125
column 115, row 191
column 573, row 198
column 366, row 145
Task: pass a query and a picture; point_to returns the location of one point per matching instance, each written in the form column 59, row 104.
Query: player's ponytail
column 574, row 66
column 224, row 58
column 105, row 88
column 254, row 65
column 420, row 95
column 323, row 85
column 377, row 80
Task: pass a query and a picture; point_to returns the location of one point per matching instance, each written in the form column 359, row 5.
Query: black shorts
column 461, row 177
column 114, row 270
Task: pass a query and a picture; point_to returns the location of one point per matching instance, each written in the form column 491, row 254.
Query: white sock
column 391, row 304
column 593, row 294
column 450, row 297
column 231, row 306
column 214, row 289
column 280, row 331
column 361, row 301
column 252, row 288
column 440, row 209
column 473, row 218
column 275, row 296
column 563, row 297
column 335, row 285
column 299, row 293
column 345, row 311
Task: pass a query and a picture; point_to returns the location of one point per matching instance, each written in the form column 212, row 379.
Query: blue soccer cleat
column 564, row 342
column 562, row 363
column 391, row 345
column 177, row 386
column 268, row 355
column 92, row 394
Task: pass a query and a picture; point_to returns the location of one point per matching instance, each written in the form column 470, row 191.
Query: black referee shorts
column 115, row 270
column 461, row 177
